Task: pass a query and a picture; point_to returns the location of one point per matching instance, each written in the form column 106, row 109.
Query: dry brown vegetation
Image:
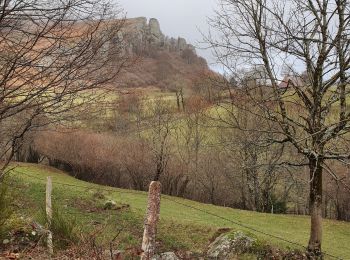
column 161, row 68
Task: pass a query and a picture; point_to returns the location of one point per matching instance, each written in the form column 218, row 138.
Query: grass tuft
column 66, row 229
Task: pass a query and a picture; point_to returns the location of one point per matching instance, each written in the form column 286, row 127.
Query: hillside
column 159, row 60
column 252, row 161
column 184, row 226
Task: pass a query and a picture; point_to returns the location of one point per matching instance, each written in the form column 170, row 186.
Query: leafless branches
column 55, row 57
column 310, row 109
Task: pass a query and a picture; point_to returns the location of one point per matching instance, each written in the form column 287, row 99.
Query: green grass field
column 181, row 227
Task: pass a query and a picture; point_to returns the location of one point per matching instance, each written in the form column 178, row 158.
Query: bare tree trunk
column 337, row 204
column 178, row 100
column 182, row 99
column 314, row 246
column 152, row 217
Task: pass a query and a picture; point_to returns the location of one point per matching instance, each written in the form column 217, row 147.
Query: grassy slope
column 180, row 226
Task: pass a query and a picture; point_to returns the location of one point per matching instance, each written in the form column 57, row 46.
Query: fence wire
column 235, row 222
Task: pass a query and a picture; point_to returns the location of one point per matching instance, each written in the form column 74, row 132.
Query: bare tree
column 257, row 168
column 313, row 116
column 177, row 85
column 189, row 139
column 159, row 137
column 54, row 57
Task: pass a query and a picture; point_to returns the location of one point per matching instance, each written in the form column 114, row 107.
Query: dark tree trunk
column 33, row 156
column 212, row 196
column 182, row 99
column 243, row 193
column 178, row 100
column 337, row 204
column 183, row 187
column 159, row 171
column 314, row 246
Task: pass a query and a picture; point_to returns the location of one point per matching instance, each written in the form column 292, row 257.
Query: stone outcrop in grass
column 229, row 246
column 238, row 245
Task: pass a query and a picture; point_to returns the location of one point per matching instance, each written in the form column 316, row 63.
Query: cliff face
column 145, row 34
column 161, row 59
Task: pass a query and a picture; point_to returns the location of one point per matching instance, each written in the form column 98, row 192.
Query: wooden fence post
column 152, row 217
column 49, row 215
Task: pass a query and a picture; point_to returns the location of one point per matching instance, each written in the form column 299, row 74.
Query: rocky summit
column 161, row 60
column 143, row 33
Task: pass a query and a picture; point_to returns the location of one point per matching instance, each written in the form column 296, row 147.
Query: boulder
column 110, row 204
column 228, row 246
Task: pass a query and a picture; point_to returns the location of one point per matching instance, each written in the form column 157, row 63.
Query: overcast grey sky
column 177, row 17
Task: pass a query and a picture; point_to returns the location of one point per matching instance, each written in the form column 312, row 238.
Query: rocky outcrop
column 182, row 44
column 142, row 35
column 238, row 245
column 229, row 246
column 155, row 33
column 161, row 60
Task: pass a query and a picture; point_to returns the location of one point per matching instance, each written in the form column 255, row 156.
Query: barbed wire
column 86, row 187
column 239, row 223
column 235, row 222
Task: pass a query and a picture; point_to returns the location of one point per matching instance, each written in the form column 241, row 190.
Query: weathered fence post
column 152, row 217
column 49, row 215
